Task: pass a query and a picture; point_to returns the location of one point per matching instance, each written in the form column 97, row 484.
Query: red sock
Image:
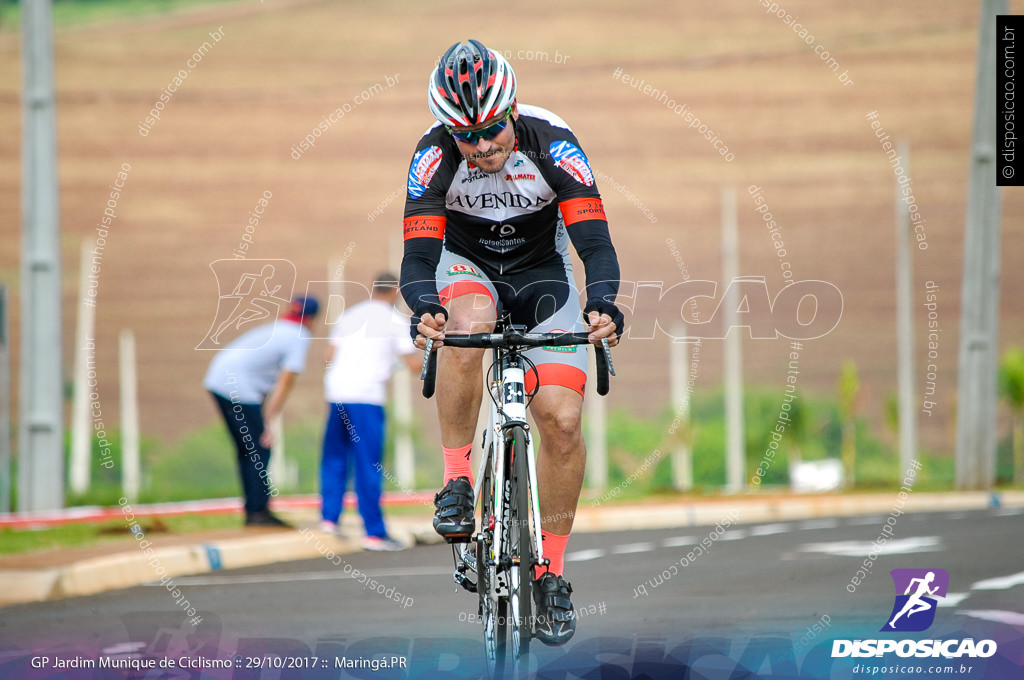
column 554, row 550
column 456, row 463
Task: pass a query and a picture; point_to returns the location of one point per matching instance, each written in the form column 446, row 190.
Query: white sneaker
column 329, row 527
column 378, row 544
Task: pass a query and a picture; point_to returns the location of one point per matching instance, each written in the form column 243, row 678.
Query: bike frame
column 508, row 409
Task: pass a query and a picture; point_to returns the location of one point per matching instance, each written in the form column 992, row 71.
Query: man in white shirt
column 263, row 361
column 363, row 348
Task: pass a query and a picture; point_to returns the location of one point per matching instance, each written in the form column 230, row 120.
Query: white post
column 130, row 467
column 597, row 431
column 5, row 402
column 734, row 437
column 905, row 321
column 41, row 472
column 80, row 472
column 335, row 291
column 679, row 364
column 401, row 393
column 978, row 363
column 277, row 469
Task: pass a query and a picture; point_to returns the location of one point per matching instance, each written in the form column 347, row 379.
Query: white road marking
column 819, row 524
column 632, row 548
column 1007, row 512
column 1000, row 582
column 332, row 575
column 769, row 529
column 584, row 555
column 900, row 546
column 867, row 519
column 1009, row 618
column 678, row 541
column 952, row 599
column 733, row 535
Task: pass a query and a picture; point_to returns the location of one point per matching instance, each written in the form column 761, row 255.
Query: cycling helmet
column 471, row 84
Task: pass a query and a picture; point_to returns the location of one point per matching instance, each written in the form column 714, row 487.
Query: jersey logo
column 520, row 176
column 421, row 171
column 570, row 349
column 463, row 269
column 571, row 158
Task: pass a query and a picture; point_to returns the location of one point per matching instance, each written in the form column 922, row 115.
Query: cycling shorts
column 544, row 300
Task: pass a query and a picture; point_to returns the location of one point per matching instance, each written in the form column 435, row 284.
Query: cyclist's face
column 490, row 154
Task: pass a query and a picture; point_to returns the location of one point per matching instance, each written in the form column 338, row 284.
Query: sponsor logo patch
column 421, row 170
column 521, row 176
column 571, row 158
column 463, row 269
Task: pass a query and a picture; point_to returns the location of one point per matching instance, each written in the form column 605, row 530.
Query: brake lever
column 426, row 358
column 608, row 355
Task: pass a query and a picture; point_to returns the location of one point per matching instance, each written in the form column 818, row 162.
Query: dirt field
column 226, row 136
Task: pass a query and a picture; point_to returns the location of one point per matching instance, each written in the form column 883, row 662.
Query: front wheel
column 492, row 610
column 521, row 548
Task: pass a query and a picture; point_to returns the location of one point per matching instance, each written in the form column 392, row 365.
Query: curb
column 134, row 567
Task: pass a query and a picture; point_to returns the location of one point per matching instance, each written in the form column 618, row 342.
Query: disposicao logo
column 914, row 611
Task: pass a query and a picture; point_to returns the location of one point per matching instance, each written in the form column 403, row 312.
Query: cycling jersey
column 510, row 222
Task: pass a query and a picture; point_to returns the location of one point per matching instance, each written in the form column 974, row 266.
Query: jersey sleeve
column 582, row 210
column 430, row 174
column 295, row 356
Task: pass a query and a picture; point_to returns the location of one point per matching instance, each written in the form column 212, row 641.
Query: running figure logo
column 249, row 292
column 914, row 610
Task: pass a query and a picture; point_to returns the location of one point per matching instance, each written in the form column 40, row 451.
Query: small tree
column 1011, row 388
column 849, row 388
column 797, row 432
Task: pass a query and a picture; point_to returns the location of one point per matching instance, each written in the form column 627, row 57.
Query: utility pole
column 905, row 322
column 979, row 300
column 40, row 416
column 735, row 446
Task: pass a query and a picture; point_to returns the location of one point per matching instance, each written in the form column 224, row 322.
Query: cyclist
column 496, row 193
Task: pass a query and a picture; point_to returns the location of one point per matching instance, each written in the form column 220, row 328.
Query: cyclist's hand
column 431, row 326
column 602, row 326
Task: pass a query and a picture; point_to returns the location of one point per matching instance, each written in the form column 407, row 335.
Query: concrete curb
column 133, row 567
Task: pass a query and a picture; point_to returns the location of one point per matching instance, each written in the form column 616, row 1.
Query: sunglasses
column 489, row 132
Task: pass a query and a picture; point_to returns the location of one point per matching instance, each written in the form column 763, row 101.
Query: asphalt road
column 765, row 597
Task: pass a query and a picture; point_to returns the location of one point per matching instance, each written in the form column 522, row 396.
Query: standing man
column 497, row 191
column 263, row 361
column 364, row 346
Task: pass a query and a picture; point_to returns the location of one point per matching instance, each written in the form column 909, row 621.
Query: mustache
column 484, row 155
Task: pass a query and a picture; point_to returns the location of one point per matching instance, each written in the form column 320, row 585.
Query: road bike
column 501, row 556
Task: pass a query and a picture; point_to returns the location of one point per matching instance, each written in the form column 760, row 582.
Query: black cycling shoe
column 453, row 517
column 556, row 619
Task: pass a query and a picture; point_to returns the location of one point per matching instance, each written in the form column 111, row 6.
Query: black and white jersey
column 510, row 222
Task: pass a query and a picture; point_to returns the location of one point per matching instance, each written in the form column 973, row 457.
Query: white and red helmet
column 471, row 84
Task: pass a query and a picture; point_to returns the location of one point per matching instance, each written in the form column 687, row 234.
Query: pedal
column 457, row 538
column 464, row 581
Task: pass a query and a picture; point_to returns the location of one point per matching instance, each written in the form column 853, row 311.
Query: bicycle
column 507, row 545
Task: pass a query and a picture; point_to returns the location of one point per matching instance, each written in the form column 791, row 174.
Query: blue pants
column 245, row 422
column 354, row 438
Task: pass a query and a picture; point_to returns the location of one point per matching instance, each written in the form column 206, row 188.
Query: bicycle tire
column 522, row 552
column 491, row 613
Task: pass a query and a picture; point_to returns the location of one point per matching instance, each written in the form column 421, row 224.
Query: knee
column 560, row 429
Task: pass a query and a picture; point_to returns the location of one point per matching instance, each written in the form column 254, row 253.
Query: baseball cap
column 305, row 306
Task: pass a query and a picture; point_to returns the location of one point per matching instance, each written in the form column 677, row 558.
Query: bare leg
column 460, row 371
column 562, row 459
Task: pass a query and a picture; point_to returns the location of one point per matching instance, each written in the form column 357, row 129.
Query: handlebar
column 517, row 339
